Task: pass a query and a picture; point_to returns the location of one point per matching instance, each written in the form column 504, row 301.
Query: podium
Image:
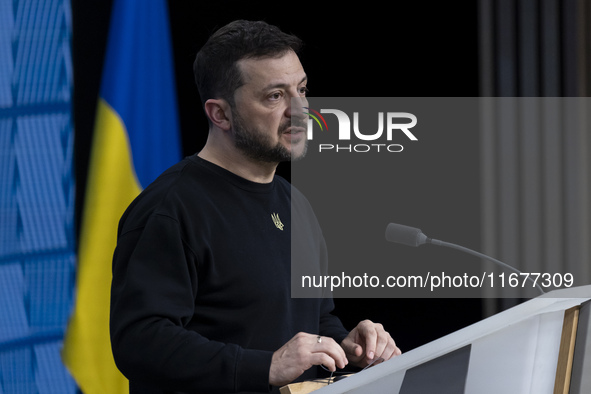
column 540, row 346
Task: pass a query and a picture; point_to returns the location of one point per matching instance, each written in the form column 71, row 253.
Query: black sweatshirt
column 200, row 297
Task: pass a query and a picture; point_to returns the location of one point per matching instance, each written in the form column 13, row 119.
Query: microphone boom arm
column 483, row 256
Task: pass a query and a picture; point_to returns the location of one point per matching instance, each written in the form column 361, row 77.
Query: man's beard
column 258, row 146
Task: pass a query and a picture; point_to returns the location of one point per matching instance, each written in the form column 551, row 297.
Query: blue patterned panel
column 37, row 251
column 16, row 371
column 6, row 60
column 49, row 281
column 8, row 179
column 13, row 319
column 42, row 61
column 41, row 198
column 50, row 376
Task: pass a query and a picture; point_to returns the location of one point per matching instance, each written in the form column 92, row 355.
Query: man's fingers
column 369, row 341
column 378, row 342
column 323, row 359
column 367, row 330
column 383, row 340
column 302, row 352
column 391, row 350
column 329, row 347
column 357, row 350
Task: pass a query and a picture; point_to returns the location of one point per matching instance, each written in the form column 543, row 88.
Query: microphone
column 411, row 236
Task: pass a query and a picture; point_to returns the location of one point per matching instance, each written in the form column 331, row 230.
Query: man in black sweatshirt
column 200, row 299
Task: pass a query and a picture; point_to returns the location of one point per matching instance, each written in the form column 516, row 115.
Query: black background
column 355, row 49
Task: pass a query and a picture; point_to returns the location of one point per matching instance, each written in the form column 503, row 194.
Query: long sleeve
column 201, row 294
column 153, row 299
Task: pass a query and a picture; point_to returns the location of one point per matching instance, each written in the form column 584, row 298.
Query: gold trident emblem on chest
column 277, row 221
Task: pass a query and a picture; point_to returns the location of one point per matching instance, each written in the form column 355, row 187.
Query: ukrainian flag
column 136, row 137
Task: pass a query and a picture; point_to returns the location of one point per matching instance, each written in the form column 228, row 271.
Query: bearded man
column 200, row 298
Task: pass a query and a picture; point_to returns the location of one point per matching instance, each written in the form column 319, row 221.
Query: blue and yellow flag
column 136, row 137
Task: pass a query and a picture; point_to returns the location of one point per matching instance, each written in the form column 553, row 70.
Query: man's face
column 262, row 121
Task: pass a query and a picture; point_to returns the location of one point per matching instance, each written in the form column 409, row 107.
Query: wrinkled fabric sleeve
column 152, row 299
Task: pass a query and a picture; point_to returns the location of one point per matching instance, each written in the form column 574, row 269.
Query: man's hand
column 367, row 342
column 301, row 353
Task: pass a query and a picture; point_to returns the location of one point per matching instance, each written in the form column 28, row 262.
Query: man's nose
column 297, row 108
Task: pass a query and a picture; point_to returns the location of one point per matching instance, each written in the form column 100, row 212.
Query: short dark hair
column 215, row 67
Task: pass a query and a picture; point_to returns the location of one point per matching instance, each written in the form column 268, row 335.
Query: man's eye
column 304, row 91
column 275, row 96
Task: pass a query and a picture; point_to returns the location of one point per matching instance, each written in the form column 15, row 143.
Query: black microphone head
column 405, row 235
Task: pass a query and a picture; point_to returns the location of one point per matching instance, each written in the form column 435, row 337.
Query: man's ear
column 218, row 111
